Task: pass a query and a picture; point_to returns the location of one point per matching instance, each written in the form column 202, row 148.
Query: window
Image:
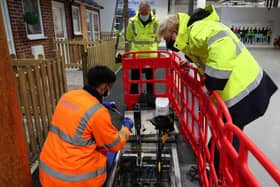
column 59, row 20
column 7, row 26
column 89, row 26
column 34, row 31
column 93, row 25
column 76, row 20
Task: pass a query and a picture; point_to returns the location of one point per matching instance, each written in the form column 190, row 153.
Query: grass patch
column 117, row 66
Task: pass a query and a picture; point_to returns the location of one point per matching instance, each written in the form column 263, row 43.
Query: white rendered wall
column 107, row 14
column 161, row 7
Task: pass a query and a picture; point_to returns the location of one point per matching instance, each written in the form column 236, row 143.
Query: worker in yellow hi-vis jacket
column 228, row 67
column 142, row 34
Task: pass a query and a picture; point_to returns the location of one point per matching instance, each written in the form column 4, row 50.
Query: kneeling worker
column 80, row 135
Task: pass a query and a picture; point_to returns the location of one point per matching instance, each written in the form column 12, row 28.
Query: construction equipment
column 149, row 158
column 164, row 124
column 137, row 122
column 198, row 118
column 117, row 24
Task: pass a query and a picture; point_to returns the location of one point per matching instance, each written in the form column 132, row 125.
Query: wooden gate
column 102, row 53
column 70, row 50
column 40, row 83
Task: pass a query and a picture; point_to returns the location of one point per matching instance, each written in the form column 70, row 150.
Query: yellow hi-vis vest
column 143, row 38
column 219, row 54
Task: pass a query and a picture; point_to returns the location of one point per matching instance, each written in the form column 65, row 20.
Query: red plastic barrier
column 234, row 169
column 197, row 112
column 129, row 62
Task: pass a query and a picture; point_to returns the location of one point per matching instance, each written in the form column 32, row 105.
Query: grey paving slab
column 265, row 131
column 185, row 153
column 74, row 78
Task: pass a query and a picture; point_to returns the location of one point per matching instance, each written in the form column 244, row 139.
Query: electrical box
column 37, row 50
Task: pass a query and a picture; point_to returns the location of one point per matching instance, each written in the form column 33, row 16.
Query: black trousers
column 235, row 144
column 135, row 75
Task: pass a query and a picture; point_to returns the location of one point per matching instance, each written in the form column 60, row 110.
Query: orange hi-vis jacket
column 81, row 132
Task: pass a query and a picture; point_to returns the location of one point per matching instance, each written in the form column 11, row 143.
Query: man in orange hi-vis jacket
column 80, row 135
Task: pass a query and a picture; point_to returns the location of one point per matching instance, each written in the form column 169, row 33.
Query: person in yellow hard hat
column 142, row 34
column 228, row 67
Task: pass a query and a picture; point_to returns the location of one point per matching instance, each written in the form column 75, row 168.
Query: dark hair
column 99, row 74
column 197, row 15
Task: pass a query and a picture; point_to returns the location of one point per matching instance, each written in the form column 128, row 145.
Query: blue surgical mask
column 144, row 18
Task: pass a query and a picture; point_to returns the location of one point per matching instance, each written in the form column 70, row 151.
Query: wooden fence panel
column 27, row 115
column 102, row 54
column 39, row 88
column 33, row 90
column 59, row 78
column 55, row 78
column 62, row 73
column 66, row 53
column 47, row 94
column 70, row 50
column 108, row 36
column 42, row 102
column 50, row 85
column 71, row 60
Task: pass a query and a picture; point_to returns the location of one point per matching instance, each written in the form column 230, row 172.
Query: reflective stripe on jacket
column 74, row 153
column 143, row 38
column 227, row 65
column 220, row 56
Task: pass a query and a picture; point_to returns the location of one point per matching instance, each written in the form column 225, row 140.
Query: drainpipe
column 169, row 4
column 190, row 7
column 173, row 7
column 71, row 19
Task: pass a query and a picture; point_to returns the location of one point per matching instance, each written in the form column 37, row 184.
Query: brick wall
column 22, row 43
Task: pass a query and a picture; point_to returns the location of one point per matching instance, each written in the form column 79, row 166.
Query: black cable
column 275, row 3
column 270, row 4
column 158, row 158
column 71, row 18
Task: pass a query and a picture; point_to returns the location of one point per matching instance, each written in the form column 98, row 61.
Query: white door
column 7, row 24
column 59, row 20
column 93, row 25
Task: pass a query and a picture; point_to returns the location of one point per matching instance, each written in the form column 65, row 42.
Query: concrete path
column 185, row 153
column 264, row 132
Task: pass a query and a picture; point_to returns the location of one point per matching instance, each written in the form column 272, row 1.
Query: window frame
column 89, row 32
column 95, row 36
column 36, row 36
column 60, row 5
column 77, row 33
column 7, row 26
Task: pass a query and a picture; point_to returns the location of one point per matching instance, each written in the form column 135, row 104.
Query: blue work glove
column 110, row 105
column 127, row 122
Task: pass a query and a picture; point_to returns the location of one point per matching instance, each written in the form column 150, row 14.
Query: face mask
column 107, row 93
column 144, row 18
column 170, row 46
